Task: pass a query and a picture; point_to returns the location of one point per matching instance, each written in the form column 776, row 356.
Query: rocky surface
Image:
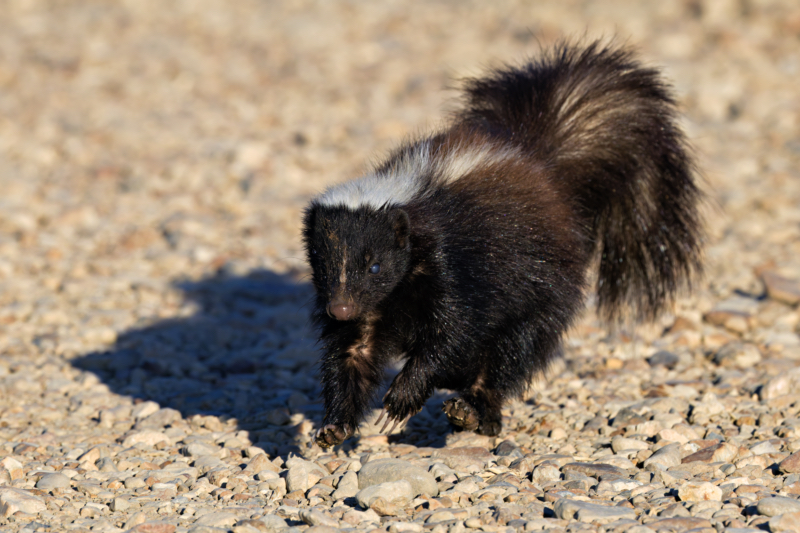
column 157, row 371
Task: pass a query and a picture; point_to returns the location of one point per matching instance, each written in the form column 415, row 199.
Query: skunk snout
column 342, row 309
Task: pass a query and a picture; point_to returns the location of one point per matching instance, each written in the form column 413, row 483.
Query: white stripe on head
column 397, row 185
column 404, row 180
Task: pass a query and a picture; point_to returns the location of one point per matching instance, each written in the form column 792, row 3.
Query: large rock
column 384, row 470
column 13, row 500
column 777, row 506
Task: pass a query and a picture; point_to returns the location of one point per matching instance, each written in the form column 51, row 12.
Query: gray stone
column 591, row 512
column 53, row 481
column 208, row 529
column 383, row 470
column 777, row 506
column 199, row 449
column 217, row 519
column 273, row 522
column 393, row 492
column 161, row 418
column 313, row 517
column 594, row 469
column 663, row 358
column 461, row 458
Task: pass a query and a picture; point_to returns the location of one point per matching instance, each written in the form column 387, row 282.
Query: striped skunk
column 466, row 253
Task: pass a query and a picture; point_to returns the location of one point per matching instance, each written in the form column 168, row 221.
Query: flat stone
column 148, row 437
column 313, row 517
column 393, row 492
column 13, row 500
column 738, row 355
column 208, row 529
column 217, row 519
column 273, row 522
column 781, row 289
column 567, row 509
column 663, row 358
column 722, row 452
column 405, row 527
column 52, row 481
column 693, row 491
column 622, row 443
column 159, row 419
column 594, row 469
column 462, row 457
column 777, row 506
column 199, row 449
column 322, row 529
column 683, row 523
column 383, row 470
column 152, row 527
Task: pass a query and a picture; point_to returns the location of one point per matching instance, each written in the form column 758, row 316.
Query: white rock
column 694, row 491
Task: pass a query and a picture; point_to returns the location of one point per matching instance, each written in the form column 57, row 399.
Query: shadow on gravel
column 247, row 353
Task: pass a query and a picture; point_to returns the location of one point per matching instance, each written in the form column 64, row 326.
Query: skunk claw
column 380, row 417
column 385, row 424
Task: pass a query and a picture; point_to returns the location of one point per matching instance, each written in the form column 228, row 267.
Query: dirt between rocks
column 157, row 371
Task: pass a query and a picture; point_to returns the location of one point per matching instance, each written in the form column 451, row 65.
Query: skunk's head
column 358, row 256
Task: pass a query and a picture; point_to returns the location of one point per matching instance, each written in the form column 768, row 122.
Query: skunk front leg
column 351, row 368
column 409, row 391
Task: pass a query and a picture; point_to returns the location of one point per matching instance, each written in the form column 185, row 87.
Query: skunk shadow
column 248, row 353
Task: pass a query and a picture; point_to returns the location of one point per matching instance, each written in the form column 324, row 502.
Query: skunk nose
column 341, row 310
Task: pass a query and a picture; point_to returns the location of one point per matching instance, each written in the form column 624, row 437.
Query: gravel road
column 157, row 373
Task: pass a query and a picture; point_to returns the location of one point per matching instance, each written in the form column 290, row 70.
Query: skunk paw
column 461, row 414
column 331, row 435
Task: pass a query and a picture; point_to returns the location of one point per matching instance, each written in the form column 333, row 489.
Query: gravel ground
column 157, row 370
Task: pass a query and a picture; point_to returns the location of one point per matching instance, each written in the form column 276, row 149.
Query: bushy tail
column 607, row 127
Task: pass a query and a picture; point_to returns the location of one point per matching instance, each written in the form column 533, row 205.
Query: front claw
column 399, row 405
column 332, row 435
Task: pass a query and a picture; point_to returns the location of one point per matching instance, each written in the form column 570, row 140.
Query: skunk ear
column 401, row 226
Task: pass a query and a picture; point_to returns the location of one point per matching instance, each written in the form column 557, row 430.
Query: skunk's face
column 357, row 256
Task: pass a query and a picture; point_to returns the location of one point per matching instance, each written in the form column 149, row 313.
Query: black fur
column 483, row 268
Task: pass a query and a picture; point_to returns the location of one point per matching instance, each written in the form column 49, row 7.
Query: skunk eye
column 374, row 269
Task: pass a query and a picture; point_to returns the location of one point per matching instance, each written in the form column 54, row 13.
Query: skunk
column 466, row 253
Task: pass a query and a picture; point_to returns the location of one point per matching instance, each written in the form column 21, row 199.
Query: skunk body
column 467, row 252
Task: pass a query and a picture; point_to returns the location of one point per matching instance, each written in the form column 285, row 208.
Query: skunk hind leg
column 477, row 410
